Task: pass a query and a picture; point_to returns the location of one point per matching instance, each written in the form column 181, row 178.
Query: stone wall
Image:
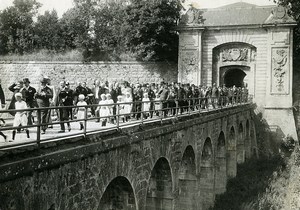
column 143, row 72
column 173, row 165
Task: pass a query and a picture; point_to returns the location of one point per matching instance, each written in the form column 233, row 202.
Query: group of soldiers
column 147, row 99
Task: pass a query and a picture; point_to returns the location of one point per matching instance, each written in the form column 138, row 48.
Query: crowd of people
column 107, row 100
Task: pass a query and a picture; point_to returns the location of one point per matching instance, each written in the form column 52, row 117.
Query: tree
column 293, row 7
column 16, row 25
column 150, row 29
column 47, row 32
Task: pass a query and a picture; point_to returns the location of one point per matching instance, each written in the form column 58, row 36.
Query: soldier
column 43, row 95
column 28, row 93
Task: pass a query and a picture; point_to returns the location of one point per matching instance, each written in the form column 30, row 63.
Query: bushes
column 253, row 178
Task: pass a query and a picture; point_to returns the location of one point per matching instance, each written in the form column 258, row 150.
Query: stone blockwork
column 143, row 72
column 175, row 165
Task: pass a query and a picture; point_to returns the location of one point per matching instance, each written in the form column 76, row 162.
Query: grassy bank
column 260, row 184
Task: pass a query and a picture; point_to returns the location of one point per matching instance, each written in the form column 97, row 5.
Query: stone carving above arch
column 234, row 52
column 279, row 70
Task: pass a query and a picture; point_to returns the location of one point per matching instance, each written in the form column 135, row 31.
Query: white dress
column 110, row 107
column 127, row 107
column 146, row 105
column 103, row 110
column 81, row 110
column 20, row 117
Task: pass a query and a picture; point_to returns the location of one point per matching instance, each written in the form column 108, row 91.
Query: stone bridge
column 177, row 164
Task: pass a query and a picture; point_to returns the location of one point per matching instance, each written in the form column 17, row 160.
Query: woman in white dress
column 127, row 107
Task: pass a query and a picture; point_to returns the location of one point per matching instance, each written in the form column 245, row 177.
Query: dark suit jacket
column 2, row 96
column 28, row 96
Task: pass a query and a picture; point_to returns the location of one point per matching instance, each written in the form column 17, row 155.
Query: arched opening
column 231, row 163
column 159, row 194
column 118, row 195
column 221, row 174
column 241, row 145
column 247, row 141
column 234, row 76
column 206, row 185
column 187, row 181
column 253, row 141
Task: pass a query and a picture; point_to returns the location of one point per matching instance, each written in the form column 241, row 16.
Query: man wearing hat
column 28, row 93
column 43, row 94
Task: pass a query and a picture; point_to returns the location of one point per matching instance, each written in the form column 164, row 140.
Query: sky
column 63, row 5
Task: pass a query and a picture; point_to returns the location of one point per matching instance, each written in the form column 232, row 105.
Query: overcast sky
column 63, row 5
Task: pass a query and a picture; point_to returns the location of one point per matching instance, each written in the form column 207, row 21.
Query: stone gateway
column 244, row 45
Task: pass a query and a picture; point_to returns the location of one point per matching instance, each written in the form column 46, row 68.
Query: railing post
column 189, row 107
column 38, row 132
column 85, row 121
column 118, row 116
column 177, row 109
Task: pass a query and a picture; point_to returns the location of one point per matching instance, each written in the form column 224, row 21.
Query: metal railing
column 159, row 110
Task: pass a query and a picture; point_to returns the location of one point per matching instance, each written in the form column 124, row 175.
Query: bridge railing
column 140, row 112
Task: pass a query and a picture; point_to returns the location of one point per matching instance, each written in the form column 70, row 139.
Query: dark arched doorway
column 159, row 194
column 118, row 195
column 234, row 76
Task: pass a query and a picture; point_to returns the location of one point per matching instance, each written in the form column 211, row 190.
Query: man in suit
column 2, row 97
column 65, row 98
column 15, row 88
column 28, row 93
column 43, row 94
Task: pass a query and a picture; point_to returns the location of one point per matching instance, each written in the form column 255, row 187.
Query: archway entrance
column 234, row 76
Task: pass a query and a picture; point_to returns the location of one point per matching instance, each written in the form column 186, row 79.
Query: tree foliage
column 293, row 7
column 150, row 28
column 101, row 30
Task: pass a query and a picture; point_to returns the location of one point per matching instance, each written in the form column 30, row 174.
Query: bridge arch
column 220, row 166
column 247, row 141
column 160, row 187
column 253, row 139
column 240, row 145
column 206, row 185
column 118, row 195
column 187, row 181
column 231, row 160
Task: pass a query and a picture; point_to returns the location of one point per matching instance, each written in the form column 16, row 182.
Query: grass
column 257, row 186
